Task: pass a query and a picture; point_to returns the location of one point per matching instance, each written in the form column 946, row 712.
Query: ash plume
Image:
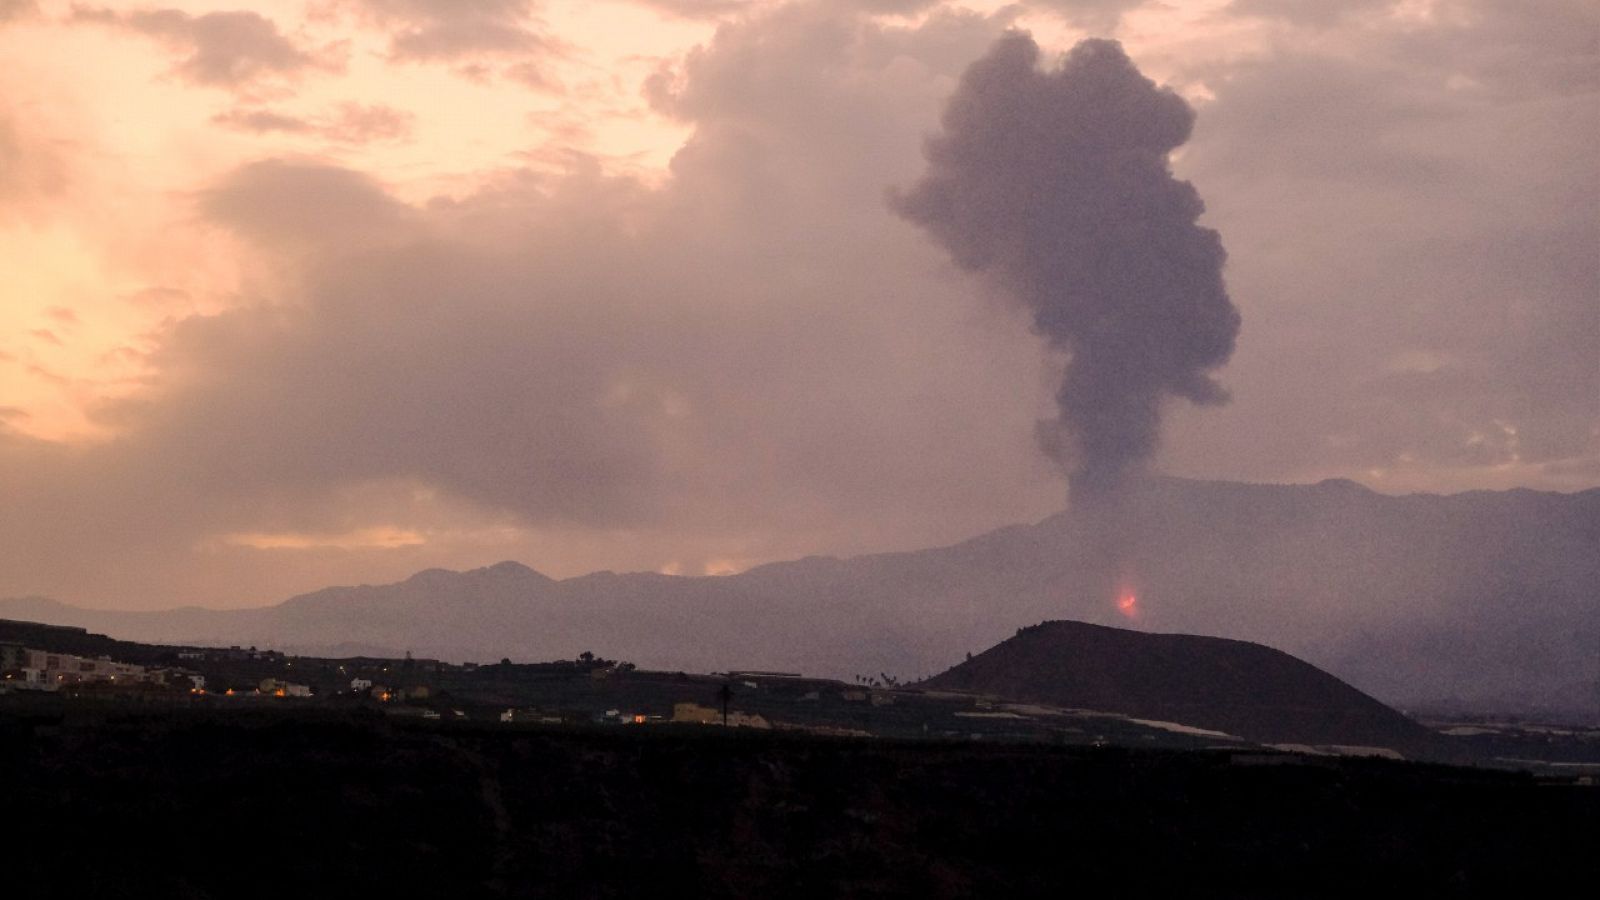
column 1056, row 185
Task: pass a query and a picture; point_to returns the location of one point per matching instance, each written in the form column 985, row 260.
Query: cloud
column 1416, row 190
column 32, row 167
column 288, row 204
column 480, row 40
column 697, row 9
column 459, row 30
column 360, row 538
column 349, row 123
column 721, row 9
column 160, row 296
column 357, row 123
column 17, row 10
column 1098, row 16
column 714, row 368
column 45, row 374
column 752, row 358
column 534, row 75
column 261, row 121
column 1309, row 12
column 893, row 7
column 221, row 49
column 40, row 159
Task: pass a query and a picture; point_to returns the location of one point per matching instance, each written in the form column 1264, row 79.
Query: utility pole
column 726, row 695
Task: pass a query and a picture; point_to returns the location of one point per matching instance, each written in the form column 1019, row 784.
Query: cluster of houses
column 681, row 712
column 236, row 670
column 24, row 668
column 386, row 694
column 274, row 687
column 277, row 687
column 705, row 715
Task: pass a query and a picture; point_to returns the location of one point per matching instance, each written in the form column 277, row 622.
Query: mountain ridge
column 1487, row 598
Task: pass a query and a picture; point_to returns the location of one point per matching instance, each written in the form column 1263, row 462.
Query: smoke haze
column 1056, row 185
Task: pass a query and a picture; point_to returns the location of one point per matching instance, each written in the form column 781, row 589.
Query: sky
column 304, row 293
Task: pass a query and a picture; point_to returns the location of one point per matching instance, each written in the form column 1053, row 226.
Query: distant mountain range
column 1243, row 689
column 1479, row 601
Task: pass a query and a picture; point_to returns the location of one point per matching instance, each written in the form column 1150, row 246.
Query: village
column 587, row 690
column 40, row 663
column 73, row 671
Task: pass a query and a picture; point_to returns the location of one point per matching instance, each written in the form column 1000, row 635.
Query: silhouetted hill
column 1244, row 689
column 346, row 805
column 1486, row 600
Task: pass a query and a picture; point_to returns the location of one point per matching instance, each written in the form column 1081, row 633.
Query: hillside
column 1485, row 600
column 1236, row 687
column 351, row 805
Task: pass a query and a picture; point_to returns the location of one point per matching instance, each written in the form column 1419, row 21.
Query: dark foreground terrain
column 320, row 803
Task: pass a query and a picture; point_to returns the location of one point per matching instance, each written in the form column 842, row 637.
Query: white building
column 65, row 668
column 276, row 688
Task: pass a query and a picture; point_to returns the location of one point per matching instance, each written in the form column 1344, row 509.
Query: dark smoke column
column 1056, row 185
